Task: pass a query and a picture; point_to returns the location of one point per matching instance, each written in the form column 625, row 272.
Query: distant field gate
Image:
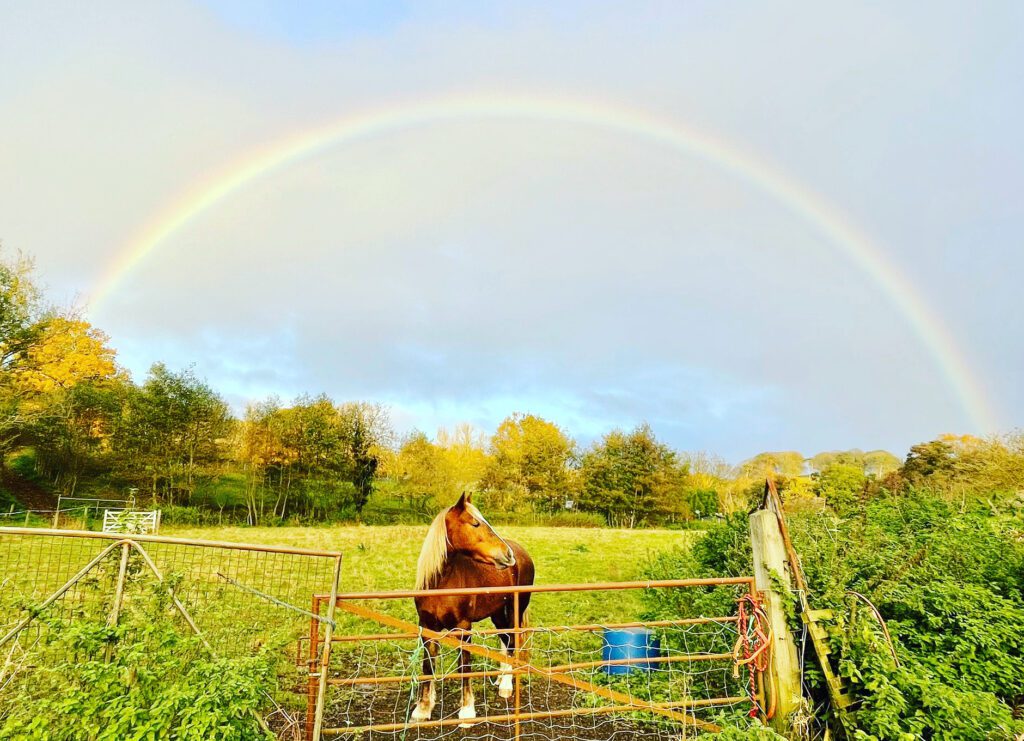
column 356, row 657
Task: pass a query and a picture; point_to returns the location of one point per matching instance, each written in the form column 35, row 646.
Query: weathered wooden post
column 770, row 557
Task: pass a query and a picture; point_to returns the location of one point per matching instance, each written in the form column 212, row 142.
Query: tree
column 632, row 477
column 928, row 460
column 22, row 318
column 261, row 450
column 709, row 488
column 464, row 450
column 419, row 470
column 879, row 463
column 429, row 472
column 840, row 484
column 22, row 321
column 44, row 354
column 365, row 432
column 66, row 351
column 876, row 463
column 72, row 434
column 530, row 460
column 765, row 465
column 173, row 424
column 314, row 456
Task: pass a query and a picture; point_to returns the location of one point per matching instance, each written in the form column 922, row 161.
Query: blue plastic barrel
column 634, row 644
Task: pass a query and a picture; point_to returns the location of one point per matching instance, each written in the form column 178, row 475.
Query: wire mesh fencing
column 563, row 681
column 85, row 517
column 238, row 600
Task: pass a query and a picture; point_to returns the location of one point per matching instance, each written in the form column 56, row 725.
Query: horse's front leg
column 505, row 683
column 428, row 694
column 468, row 709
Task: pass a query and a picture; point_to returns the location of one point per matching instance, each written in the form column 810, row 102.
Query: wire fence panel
column 240, row 600
column 568, row 685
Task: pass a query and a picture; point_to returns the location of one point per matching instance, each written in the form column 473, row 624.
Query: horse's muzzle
column 507, row 562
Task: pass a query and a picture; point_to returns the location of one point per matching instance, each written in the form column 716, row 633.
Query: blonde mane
column 433, row 554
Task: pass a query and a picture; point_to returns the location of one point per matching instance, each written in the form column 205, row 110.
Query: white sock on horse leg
column 425, row 707
column 505, row 684
column 468, row 709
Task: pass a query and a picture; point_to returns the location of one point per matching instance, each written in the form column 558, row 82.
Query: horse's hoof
column 420, row 713
column 505, row 687
column 467, row 713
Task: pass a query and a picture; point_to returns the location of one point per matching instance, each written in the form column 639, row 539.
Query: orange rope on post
column 753, row 649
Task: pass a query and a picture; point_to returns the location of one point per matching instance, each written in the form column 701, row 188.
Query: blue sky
column 313, row 22
column 462, row 271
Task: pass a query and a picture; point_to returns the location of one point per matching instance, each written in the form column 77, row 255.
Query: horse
column 462, row 550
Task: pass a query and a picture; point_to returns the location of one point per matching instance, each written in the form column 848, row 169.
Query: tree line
column 172, row 439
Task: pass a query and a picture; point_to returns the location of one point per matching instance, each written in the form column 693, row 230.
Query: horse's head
column 470, row 534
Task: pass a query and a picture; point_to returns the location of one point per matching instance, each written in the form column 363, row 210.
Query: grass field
column 379, row 558
column 384, row 557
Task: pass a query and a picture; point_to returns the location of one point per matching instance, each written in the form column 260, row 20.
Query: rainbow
column 841, row 234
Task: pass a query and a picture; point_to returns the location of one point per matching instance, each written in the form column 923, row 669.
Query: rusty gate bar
column 543, row 672
column 526, row 629
column 312, row 681
column 169, row 541
column 517, row 637
column 559, row 668
column 325, row 661
column 519, row 666
column 597, row 586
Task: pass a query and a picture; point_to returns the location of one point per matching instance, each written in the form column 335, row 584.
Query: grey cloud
column 469, row 270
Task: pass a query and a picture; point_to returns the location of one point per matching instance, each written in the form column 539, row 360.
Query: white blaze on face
column 478, row 515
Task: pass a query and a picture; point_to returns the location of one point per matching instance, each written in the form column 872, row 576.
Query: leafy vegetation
column 140, row 679
column 935, row 541
column 940, row 554
column 89, row 429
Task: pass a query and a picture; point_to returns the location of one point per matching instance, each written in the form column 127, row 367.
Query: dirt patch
column 29, row 494
column 362, row 705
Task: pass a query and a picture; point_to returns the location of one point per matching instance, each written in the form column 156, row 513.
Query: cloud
column 472, row 269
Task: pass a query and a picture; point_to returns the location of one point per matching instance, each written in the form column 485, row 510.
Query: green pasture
column 380, row 558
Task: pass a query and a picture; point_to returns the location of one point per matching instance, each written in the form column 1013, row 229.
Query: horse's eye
column 476, row 524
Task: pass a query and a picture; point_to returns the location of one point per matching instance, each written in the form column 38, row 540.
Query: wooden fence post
column 784, row 673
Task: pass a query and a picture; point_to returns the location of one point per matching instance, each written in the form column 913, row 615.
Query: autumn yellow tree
column 785, row 463
column 66, row 352
column 429, row 473
column 464, row 451
column 530, row 462
column 43, row 353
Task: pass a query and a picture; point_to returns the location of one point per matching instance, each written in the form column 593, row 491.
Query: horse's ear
column 461, row 504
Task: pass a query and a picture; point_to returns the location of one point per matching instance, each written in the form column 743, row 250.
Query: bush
column 157, row 683
column 176, row 515
column 841, row 485
column 7, row 502
column 948, row 578
column 563, row 518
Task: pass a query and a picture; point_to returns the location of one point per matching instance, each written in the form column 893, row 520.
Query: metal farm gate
column 355, row 658
column 565, row 687
column 237, row 599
